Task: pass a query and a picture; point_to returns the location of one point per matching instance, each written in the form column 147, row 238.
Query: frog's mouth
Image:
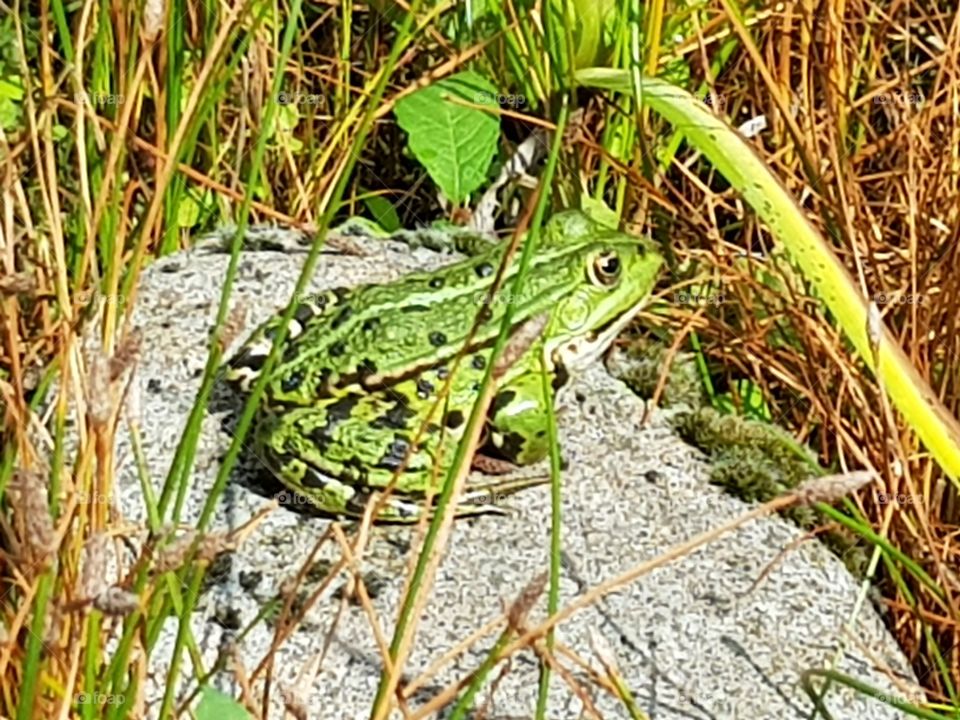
column 576, row 353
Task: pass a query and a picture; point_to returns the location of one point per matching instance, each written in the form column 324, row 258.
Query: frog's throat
column 576, row 353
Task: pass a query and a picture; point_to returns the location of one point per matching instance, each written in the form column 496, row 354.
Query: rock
column 724, row 632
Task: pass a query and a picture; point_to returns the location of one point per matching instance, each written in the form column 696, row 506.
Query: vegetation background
column 127, row 129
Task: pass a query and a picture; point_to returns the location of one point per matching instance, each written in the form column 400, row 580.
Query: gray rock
column 724, row 632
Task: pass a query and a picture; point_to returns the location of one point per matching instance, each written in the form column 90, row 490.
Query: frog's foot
column 478, row 498
column 489, row 496
column 405, row 509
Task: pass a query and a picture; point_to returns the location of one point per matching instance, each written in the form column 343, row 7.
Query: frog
column 375, row 383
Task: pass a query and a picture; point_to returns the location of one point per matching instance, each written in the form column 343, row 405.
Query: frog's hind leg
column 490, row 496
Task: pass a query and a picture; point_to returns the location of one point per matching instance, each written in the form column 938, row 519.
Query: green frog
column 352, row 404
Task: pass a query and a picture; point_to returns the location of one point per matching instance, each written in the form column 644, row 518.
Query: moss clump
column 639, row 365
column 753, row 460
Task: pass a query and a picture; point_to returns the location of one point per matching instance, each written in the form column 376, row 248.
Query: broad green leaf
column 382, row 212
column 745, row 170
column 453, row 142
column 214, row 705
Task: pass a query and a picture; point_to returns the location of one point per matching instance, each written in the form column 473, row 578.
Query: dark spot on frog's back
column 303, row 313
column 366, row 368
column 320, row 437
column 248, row 359
column 337, row 349
column 453, row 419
column 560, row 376
column 342, row 408
column 511, row 446
column 479, row 362
column 355, row 470
column 437, row 339
column 484, row 269
column 436, row 282
column 395, row 453
column 370, row 324
column 502, row 400
column 291, row 382
column 424, row 389
column 341, row 317
column 414, row 308
column 323, row 384
column 396, row 417
column 313, row 479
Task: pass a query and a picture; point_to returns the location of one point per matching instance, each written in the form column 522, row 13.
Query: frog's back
column 373, row 335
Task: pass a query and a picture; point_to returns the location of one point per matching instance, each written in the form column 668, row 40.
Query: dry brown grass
column 880, row 174
column 880, row 177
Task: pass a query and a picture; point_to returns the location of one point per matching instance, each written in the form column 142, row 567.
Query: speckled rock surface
column 722, row 633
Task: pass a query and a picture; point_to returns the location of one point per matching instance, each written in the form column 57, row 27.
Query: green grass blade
column 882, row 696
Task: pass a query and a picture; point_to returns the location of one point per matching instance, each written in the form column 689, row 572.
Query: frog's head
column 611, row 273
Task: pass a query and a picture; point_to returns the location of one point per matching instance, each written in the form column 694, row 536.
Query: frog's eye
column 605, row 269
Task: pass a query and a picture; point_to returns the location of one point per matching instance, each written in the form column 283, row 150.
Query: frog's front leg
column 517, row 420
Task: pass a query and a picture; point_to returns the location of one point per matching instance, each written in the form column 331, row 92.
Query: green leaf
column 453, row 142
column 382, row 212
column 214, row 705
